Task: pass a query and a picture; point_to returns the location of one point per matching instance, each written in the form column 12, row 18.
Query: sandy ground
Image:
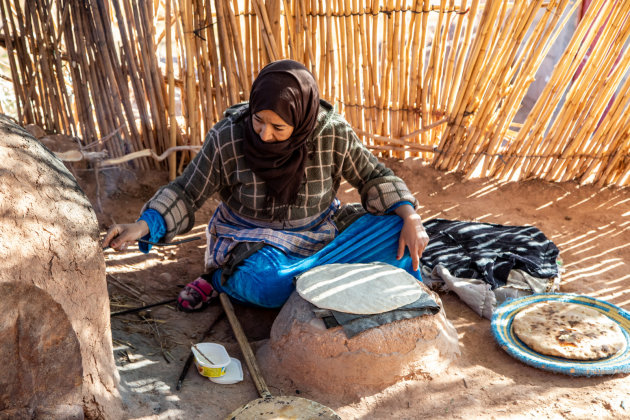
column 590, row 226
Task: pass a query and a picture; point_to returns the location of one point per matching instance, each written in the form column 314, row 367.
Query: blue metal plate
column 502, row 330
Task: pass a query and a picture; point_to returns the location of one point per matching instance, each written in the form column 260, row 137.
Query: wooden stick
column 246, row 349
column 172, row 160
column 268, row 38
column 235, row 29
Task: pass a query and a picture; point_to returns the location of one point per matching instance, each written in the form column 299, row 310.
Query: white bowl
column 233, row 373
column 211, row 359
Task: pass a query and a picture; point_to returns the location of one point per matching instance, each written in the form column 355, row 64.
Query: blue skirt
column 265, row 279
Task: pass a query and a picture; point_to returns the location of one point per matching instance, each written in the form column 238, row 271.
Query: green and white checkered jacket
column 336, row 153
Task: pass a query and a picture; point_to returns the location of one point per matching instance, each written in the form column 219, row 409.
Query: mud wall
column 52, row 270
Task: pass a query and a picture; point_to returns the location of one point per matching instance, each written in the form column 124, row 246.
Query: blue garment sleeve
column 157, row 229
column 391, row 209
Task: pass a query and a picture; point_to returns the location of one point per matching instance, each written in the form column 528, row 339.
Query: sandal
column 195, row 296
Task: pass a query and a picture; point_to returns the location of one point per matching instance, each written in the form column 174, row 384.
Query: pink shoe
column 195, row 296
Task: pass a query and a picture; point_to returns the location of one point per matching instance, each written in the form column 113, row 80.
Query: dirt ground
column 590, row 226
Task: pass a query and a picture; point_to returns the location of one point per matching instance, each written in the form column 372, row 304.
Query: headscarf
column 287, row 88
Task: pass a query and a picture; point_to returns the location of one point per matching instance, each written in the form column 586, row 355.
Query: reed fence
column 438, row 79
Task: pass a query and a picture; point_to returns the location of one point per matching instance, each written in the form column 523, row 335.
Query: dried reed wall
column 438, row 79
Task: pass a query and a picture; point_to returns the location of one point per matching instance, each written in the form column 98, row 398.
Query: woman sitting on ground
column 277, row 163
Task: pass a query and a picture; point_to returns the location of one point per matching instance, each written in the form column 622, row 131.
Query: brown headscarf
column 287, row 88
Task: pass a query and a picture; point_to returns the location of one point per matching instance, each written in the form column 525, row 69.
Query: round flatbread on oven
column 568, row 330
column 362, row 289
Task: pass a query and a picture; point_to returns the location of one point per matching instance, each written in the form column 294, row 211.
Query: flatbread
column 568, row 330
column 363, row 289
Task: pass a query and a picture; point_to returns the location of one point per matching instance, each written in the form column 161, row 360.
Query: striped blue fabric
column 265, row 279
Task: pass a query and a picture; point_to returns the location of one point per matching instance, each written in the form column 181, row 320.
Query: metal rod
column 144, row 241
column 128, row 311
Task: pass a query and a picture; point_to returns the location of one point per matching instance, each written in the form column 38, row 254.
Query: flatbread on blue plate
column 503, row 318
column 568, row 330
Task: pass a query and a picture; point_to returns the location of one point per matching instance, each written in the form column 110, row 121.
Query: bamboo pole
column 190, row 79
column 311, row 19
column 309, row 59
column 172, row 128
column 320, row 56
column 378, row 62
column 363, row 51
column 615, row 122
column 221, row 96
column 394, row 57
column 465, row 104
column 15, row 74
column 440, row 35
column 23, row 73
column 410, row 71
column 248, row 42
column 226, row 48
column 604, row 88
column 572, row 104
column 272, row 9
column 494, row 88
column 238, row 47
column 350, row 96
column 461, row 57
column 416, row 51
column 123, row 110
column 620, row 152
column 267, row 33
column 43, row 82
column 101, row 96
column 330, row 61
column 82, row 102
column 504, row 50
column 204, row 106
column 86, row 54
column 448, row 58
column 386, row 68
column 132, row 61
column 288, row 14
column 374, row 77
column 28, row 63
column 101, row 88
column 54, row 62
column 38, row 18
column 421, row 95
column 533, row 56
column 342, row 57
column 209, row 95
column 59, row 70
column 530, row 135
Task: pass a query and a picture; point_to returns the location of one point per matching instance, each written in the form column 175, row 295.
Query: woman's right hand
column 120, row 236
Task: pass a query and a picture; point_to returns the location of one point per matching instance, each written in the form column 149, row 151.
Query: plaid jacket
column 335, row 152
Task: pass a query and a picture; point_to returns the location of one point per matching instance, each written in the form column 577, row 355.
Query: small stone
column 165, row 277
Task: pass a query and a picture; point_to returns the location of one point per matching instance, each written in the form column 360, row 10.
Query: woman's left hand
column 412, row 235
